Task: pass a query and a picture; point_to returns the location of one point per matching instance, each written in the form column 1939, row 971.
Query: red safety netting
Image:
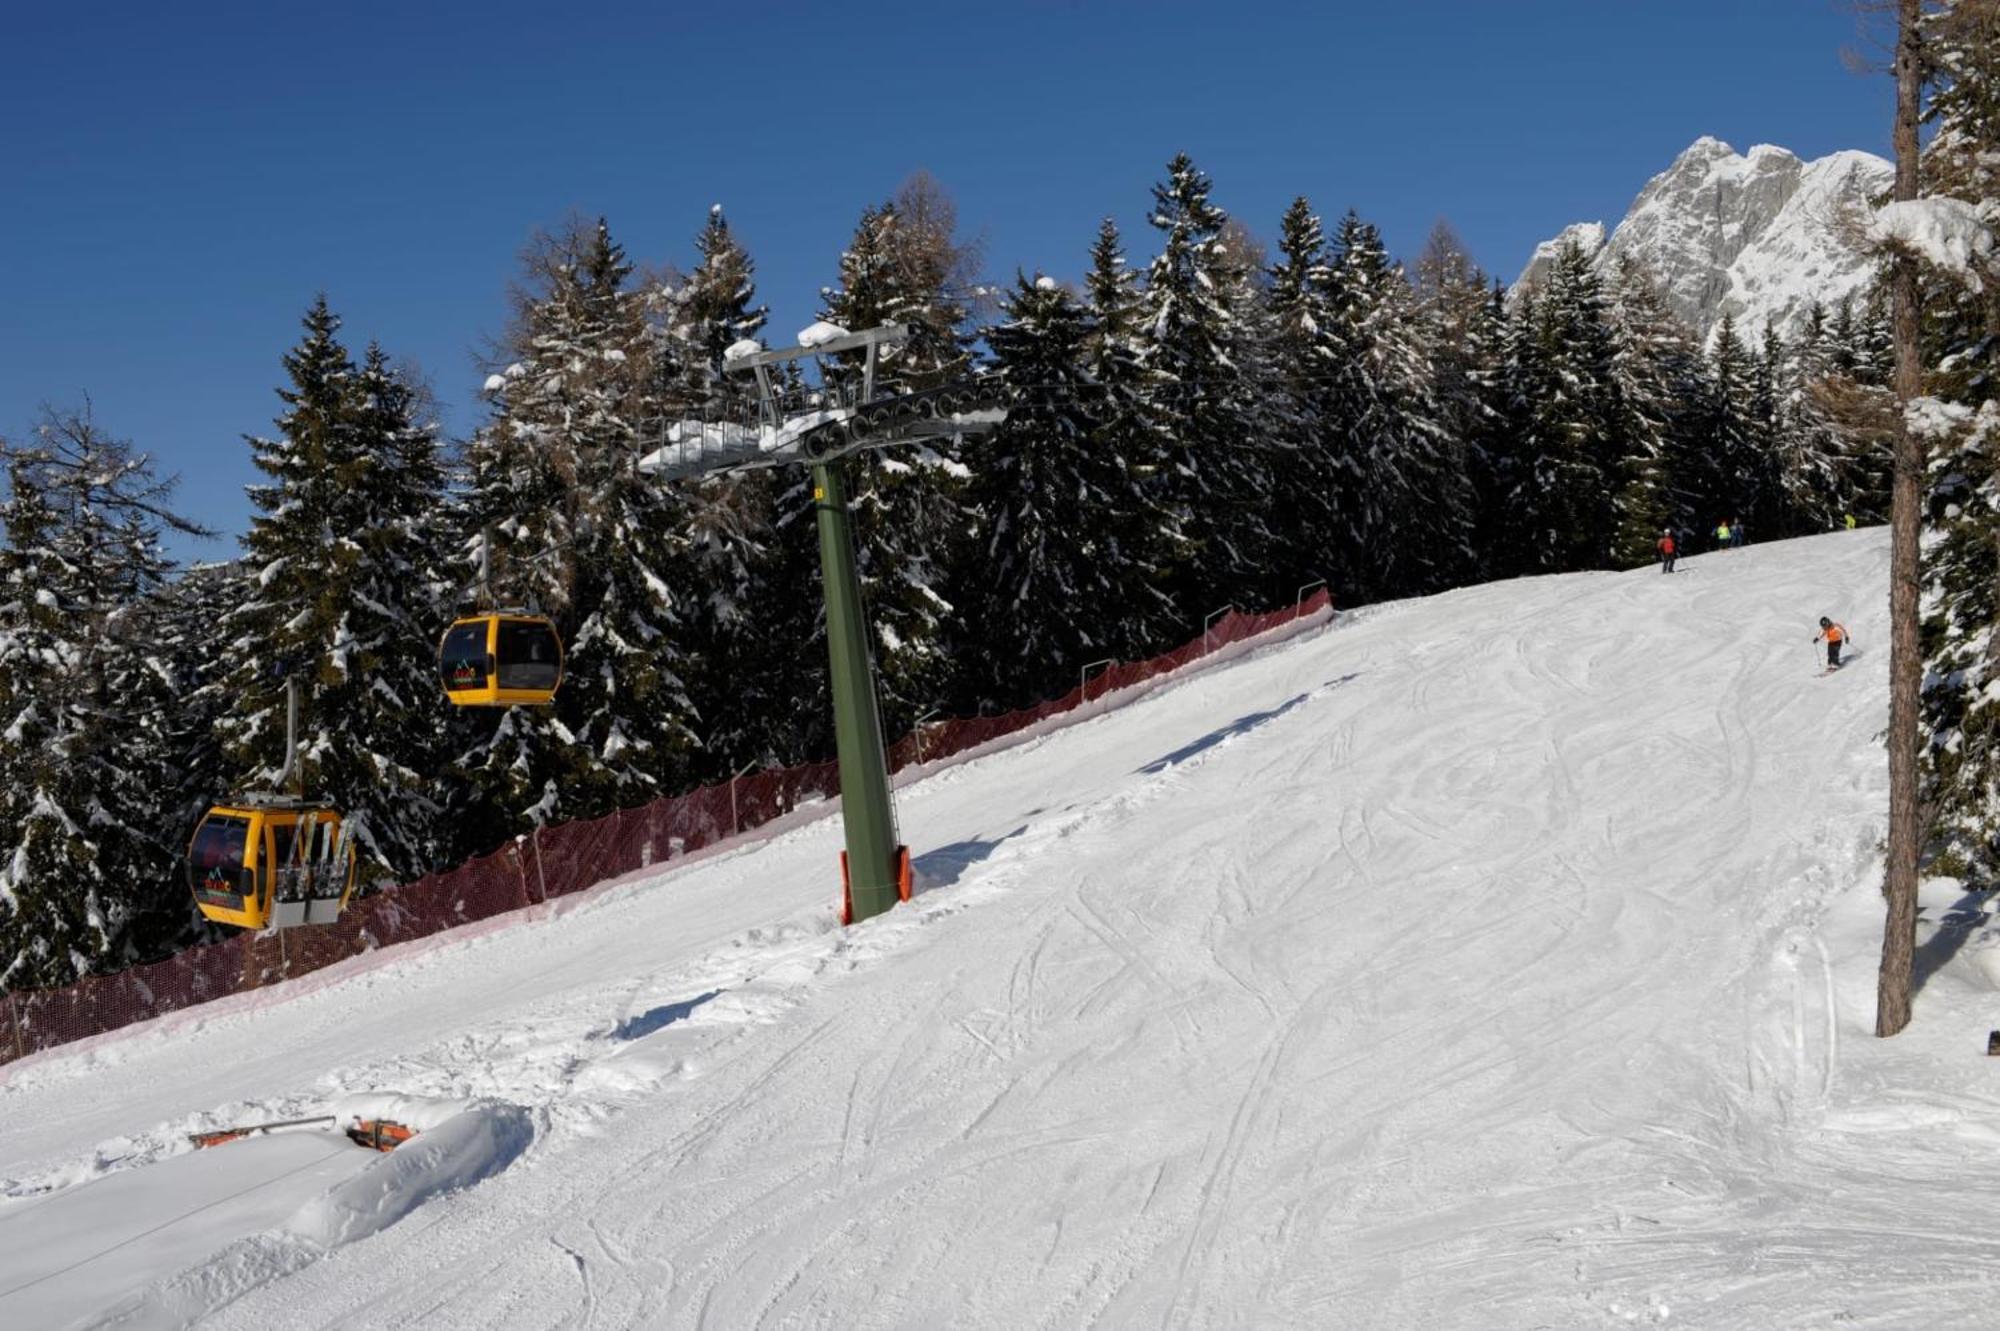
column 551, row 862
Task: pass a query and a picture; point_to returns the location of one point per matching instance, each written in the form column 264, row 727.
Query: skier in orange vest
column 1834, row 635
column 1667, row 550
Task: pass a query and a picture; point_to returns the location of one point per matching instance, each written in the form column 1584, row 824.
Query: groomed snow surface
column 1503, row 959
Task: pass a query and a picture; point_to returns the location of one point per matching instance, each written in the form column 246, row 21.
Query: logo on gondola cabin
column 217, row 886
column 465, row 674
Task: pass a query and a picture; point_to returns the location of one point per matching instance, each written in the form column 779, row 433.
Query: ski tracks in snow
column 1463, row 967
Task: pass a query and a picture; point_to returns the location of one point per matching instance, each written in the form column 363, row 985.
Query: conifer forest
column 1221, row 411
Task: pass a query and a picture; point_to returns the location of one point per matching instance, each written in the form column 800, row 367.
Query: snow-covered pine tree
column 282, row 613
column 577, row 531
column 196, row 659
column 717, row 308
column 1833, row 451
column 1216, row 484
column 1320, row 500
column 88, row 847
column 47, row 932
column 1811, row 461
column 383, row 686
column 1572, row 422
column 1051, row 582
column 905, row 265
column 1128, row 427
column 1418, row 537
column 1874, row 351
column 337, row 591
column 1657, row 371
column 1961, row 628
column 737, row 670
column 1736, row 476
column 1496, row 457
column 1768, row 511
column 1460, row 318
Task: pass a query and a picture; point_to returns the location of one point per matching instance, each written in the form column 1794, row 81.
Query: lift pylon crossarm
column 700, row 448
column 825, row 433
column 887, row 334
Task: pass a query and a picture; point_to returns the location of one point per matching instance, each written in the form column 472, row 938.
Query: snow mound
column 214, row 1217
column 455, row 1147
column 821, row 333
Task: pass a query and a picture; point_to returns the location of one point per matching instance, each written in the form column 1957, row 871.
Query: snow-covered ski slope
column 1501, row 959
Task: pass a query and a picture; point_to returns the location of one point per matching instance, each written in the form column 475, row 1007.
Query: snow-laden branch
column 1950, row 235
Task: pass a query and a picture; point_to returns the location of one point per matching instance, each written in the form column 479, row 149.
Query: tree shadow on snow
column 1957, row 925
column 654, row 1019
column 1240, row 726
column 947, row 864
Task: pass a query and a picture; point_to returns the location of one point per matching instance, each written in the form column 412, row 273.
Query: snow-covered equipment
column 501, row 660
column 823, row 424
column 204, row 1140
column 273, row 860
column 378, row 1134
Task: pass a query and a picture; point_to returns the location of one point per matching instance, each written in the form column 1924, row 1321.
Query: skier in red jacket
column 1667, row 550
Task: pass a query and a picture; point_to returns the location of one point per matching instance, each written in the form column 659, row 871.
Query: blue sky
column 177, row 182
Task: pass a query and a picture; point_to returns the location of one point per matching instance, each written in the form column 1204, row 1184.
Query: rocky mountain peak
column 1759, row 235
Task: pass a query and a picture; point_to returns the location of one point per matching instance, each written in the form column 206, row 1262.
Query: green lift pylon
column 875, row 869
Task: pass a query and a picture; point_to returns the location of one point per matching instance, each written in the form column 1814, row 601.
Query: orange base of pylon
column 903, row 884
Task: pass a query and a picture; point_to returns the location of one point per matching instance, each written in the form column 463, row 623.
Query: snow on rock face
column 1758, row 236
column 1587, row 236
column 820, row 334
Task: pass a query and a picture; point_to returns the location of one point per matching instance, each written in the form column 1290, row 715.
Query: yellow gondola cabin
column 500, row 660
column 260, row 866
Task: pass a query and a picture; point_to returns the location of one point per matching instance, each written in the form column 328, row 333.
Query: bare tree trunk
column 1899, row 933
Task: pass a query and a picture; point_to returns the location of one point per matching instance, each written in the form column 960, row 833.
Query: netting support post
column 541, row 878
column 14, row 1015
column 865, row 812
column 1083, row 679
column 1299, row 606
column 735, row 822
column 1213, row 615
column 917, row 732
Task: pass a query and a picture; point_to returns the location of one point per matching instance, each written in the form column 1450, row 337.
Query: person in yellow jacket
column 1833, row 635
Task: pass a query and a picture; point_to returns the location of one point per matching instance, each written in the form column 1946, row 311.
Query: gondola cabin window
column 529, row 655
column 215, row 863
column 282, row 835
column 462, row 657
